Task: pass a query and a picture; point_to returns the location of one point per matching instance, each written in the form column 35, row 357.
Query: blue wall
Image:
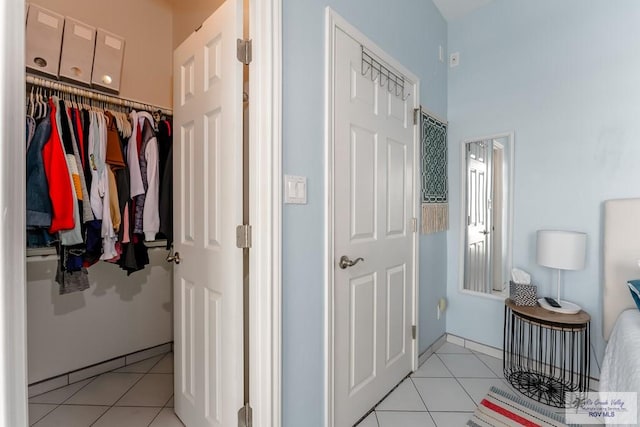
column 411, row 31
column 565, row 76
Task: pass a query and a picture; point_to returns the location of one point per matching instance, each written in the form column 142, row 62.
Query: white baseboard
column 49, row 384
column 594, row 383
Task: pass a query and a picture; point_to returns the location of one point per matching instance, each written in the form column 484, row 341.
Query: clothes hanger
column 31, row 103
column 40, row 104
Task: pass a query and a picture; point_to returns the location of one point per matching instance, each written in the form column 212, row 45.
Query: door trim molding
column 266, row 215
column 13, row 304
column 265, row 112
column 335, row 21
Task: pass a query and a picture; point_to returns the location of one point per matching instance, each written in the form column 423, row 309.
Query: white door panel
column 478, row 225
column 208, row 281
column 374, row 202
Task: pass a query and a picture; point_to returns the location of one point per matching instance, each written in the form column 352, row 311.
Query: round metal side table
column 546, row 354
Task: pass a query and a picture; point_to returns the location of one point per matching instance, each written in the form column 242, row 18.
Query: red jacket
column 55, row 166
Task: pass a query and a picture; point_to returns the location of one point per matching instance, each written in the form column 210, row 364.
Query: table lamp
column 561, row 250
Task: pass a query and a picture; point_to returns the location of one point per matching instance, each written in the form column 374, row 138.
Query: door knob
column 346, row 262
column 485, row 232
column 174, row 258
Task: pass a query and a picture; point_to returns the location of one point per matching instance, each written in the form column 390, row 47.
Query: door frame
column 265, row 200
column 13, row 310
column 333, row 22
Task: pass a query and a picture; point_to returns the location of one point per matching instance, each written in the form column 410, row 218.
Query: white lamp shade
column 565, row 250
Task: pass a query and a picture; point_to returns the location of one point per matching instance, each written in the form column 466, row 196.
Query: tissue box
column 523, row 294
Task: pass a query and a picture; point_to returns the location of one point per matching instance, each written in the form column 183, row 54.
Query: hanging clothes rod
column 94, row 95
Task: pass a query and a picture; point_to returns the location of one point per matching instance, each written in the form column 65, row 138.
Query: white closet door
column 208, row 207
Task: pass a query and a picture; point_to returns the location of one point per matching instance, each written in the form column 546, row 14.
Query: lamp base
column 566, row 307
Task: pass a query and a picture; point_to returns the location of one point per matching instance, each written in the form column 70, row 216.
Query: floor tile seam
column 154, row 418
column 84, row 404
column 159, row 360
column 101, row 415
column 56, row 406
column 465, row 390
column 402, row 410
column 129, row 389
column 168, row 400
column 433, row 420
column 375, row 415
column 481, row 361
column 478, row 378
column 445, row 366
column 138, row 406
column 78, row 391
column 420, row 395
column 105, row 412
column 486, row 364
column 432, row 377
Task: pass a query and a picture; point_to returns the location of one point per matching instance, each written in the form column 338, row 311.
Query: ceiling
column 454, row 9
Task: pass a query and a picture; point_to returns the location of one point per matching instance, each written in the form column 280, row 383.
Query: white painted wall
column 119, row 314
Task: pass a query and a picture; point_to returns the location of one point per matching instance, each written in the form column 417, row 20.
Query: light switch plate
column 295, row 189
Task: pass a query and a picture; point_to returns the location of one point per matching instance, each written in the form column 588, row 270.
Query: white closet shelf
column 49, row 254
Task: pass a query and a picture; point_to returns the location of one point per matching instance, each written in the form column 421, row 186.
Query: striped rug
column 499, row 408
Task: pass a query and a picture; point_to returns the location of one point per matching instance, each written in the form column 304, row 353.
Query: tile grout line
column 486, row 364
column 459, row 383
column 109, row 407
column 117, row 400
column 422, row 399
column 134, row 384
column 127, row 391
column 154, row 418
column 57, row 405
column 375, row 415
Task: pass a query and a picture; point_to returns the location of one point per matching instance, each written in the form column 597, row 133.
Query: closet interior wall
column 118, row 314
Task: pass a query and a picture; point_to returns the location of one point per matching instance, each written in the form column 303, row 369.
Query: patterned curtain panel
column 435, row 189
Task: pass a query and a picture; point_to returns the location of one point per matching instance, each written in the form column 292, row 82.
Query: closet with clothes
column 98, row 181
column 99, row 215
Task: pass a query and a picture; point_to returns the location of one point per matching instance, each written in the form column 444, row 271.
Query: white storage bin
column 78, row 46
column 107, row 64
column 43, row 40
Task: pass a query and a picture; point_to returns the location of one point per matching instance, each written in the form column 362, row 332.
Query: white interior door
column 478, row 221
column 208, row 325
column 374, row 206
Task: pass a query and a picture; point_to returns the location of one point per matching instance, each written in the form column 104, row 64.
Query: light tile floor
column 137, row 395
column 443, row 392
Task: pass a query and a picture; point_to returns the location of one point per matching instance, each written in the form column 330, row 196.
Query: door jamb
column 334, row 21
column 13, row 310
column 266, row 142
column 265, row 112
